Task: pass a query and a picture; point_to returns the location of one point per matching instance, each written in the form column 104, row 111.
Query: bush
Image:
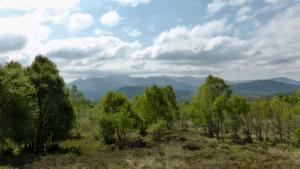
column 297, row 135
column 107, row 128
column 191, row 147
column 158, row 130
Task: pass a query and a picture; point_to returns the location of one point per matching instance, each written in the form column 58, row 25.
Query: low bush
column 191, row 147
column 158, row 130
column 107, row 128
column 297, row 135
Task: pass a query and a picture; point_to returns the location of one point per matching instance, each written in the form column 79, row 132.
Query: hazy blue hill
column 262, row 88
column 164, row 80
column 286, row 80
column 95, row 88
column 184, row 95
column 185, row 87
column 131, row 91
column 194, row 81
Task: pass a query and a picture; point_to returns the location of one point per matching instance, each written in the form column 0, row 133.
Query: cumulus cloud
column 279, row 38
column 20, row 28
column 273, row 2
column 10, row 42
column 111, row 18
column 132, row 3
column 102, row 47
column 211, row 47
column 102, row 32
column 79, row 21
column 203, row 44
column 31, row 19
column 132, row 32
column 216, row 5
column 243, row 14
column 28, row 5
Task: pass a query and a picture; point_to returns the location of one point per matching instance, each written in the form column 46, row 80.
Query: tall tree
column 219, row 109
column 157, row 103
column 257, row 109
column 17, row 105
column 277, row 108
column 55, row 117
column 237, row 110
column 80, row 105
column 116, row 118
column 204, row 99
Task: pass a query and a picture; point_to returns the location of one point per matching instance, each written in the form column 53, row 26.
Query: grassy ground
column 180, row 149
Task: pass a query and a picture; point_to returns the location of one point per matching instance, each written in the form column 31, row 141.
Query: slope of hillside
column 95, row 88
column 286, row 80
column 262, row 88
column 131, row 91
column 185, row 87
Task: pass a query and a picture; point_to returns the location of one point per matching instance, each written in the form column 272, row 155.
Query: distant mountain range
column 185, row 87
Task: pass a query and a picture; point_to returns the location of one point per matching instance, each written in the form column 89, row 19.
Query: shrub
column 107, row 127
column 116, row 118
column 191, row 147
column 297, row 135
column 158, row 130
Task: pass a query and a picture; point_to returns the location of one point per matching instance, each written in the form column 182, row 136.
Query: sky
column 232, row 39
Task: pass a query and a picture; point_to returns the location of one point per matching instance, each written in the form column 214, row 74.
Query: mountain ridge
column 96, row 87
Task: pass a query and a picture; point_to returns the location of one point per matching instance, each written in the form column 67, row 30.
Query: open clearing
column 180, row 149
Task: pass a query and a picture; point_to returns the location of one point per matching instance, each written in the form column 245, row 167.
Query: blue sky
column 233, row 39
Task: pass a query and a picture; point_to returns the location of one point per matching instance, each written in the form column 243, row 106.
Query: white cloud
column 273, row 2
column 132, row 32
column 278, row 40
column 243, row 14
column 11, row 42
column 110, row 18
column 32, row 21
column 132, row 3
column 274, row 48
column 216, row 5
column 79, row 21
column 203, row 44
column 101, row 32
column 183, row 50
column 102, row 47
column 29, row 5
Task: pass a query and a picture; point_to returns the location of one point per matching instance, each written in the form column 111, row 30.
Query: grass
column 89, row 152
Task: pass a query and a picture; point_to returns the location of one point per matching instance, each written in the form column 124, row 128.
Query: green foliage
column 34, row 108
column 108, row 128
column 158, row 130
column 297, row 135
column 277, row 106
column 157, row 103
column 238, row 108
column 113, row 102
column 203, row 103
column 55, row 116
column 219, row 110
column 17, row 105
column 81, row 107
column 116, row 118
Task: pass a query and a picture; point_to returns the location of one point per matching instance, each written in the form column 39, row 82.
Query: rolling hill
column 95, row 88
column 262, row 88
column 185, row 87
column 286, row 80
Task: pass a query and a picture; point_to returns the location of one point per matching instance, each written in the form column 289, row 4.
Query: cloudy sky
column 233, row 39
